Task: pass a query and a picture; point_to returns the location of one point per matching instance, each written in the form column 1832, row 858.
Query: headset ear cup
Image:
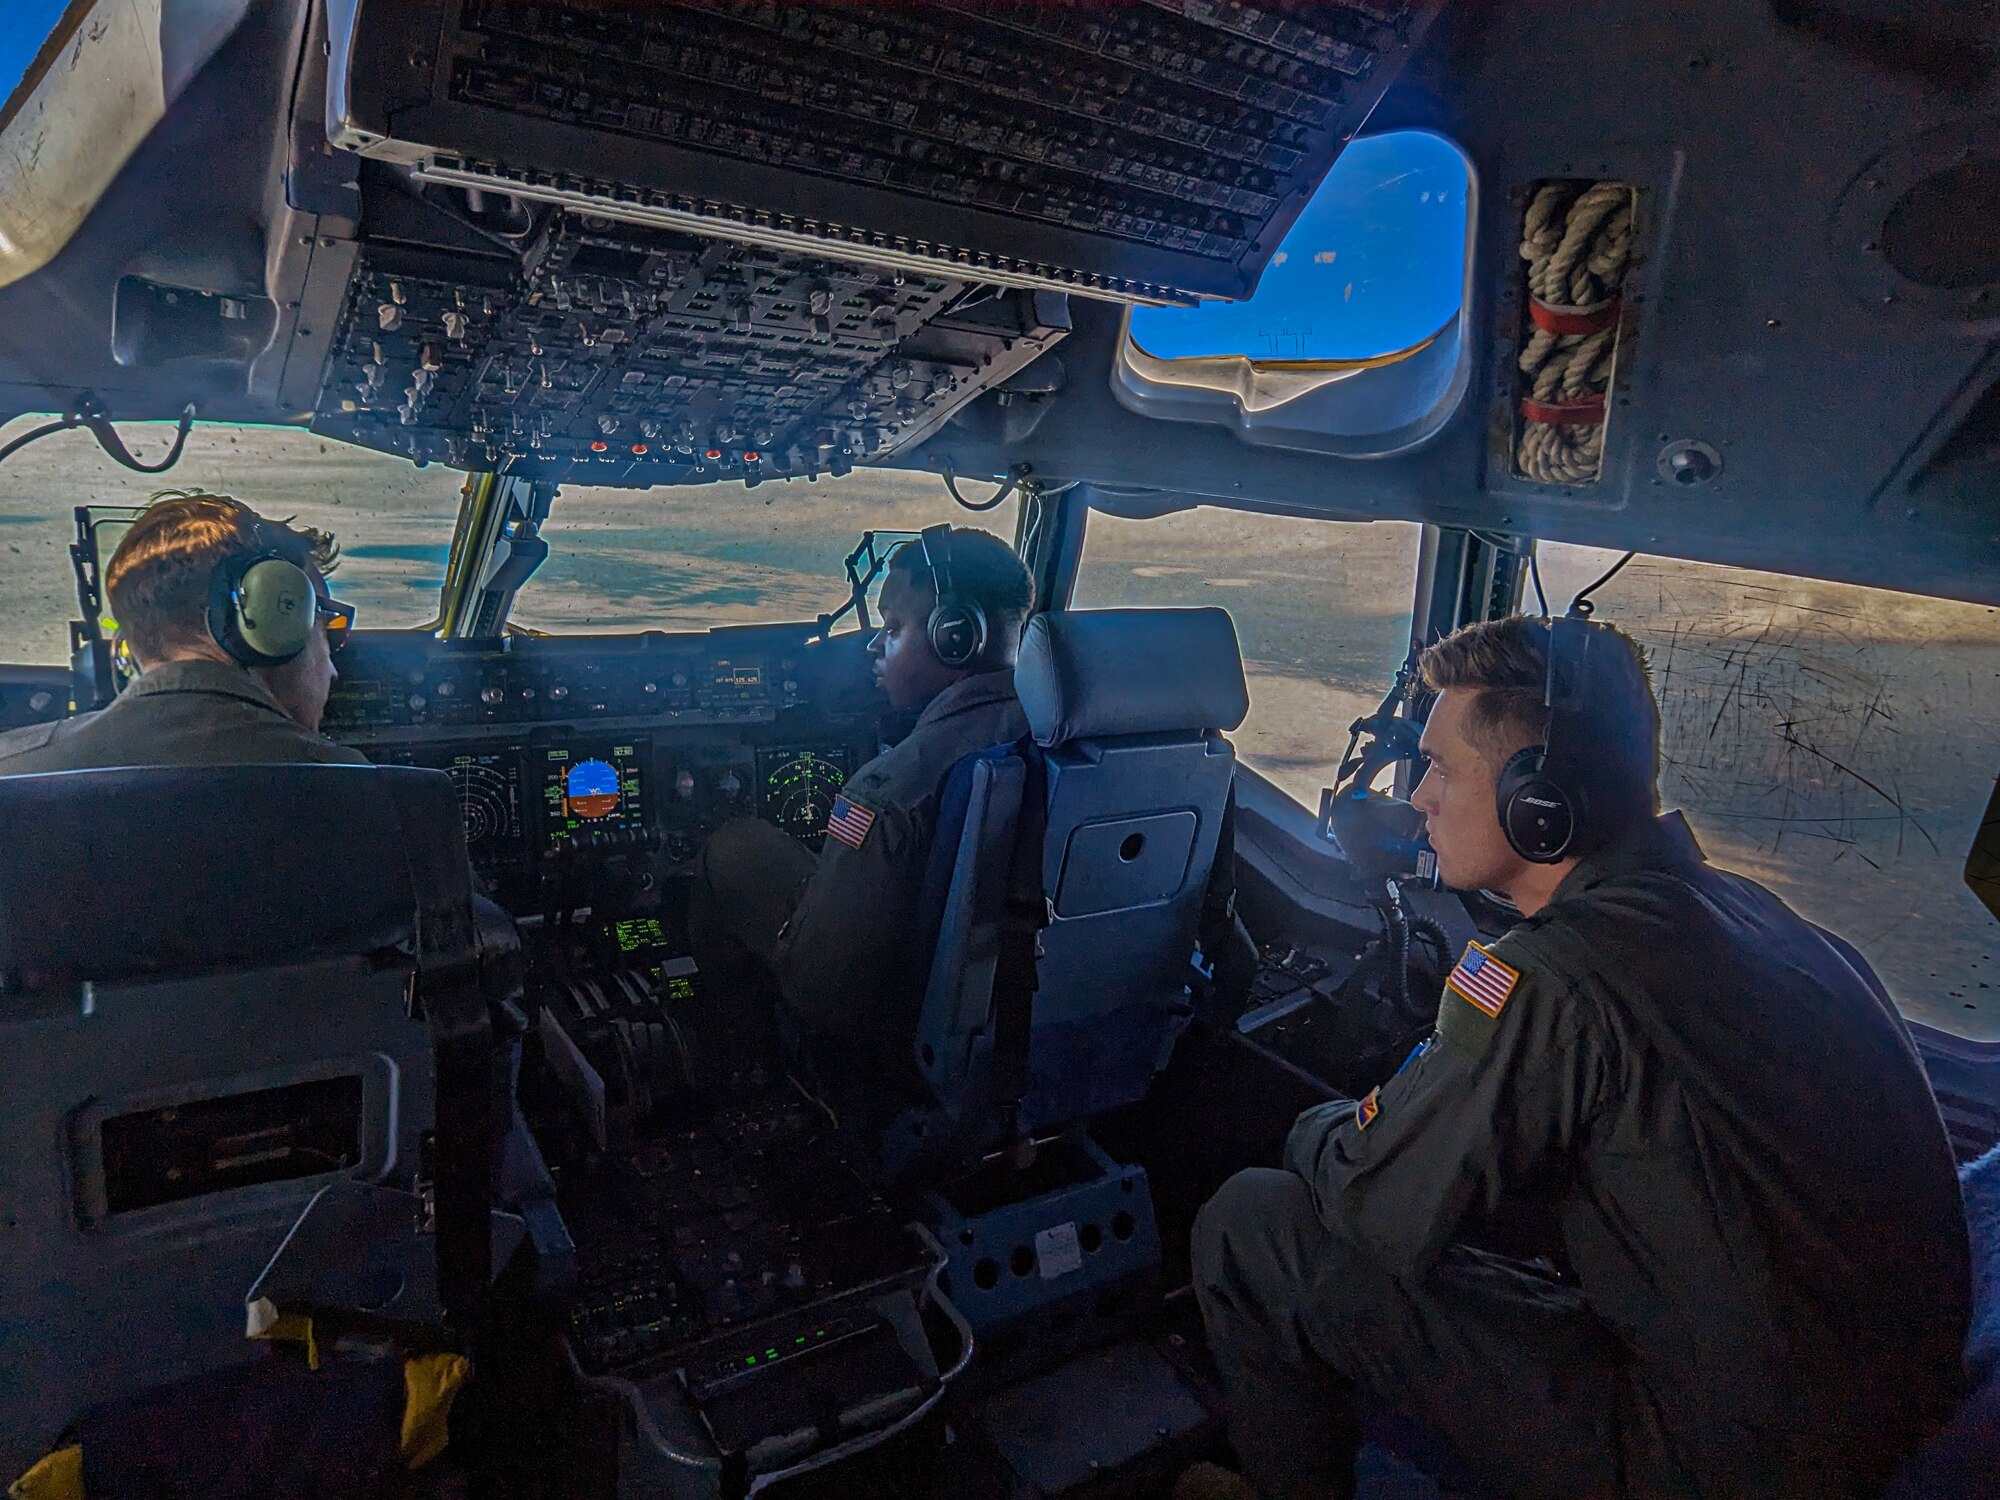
column 957, row 633
column 263, row 615
column 274, row 609
column 1536, row 813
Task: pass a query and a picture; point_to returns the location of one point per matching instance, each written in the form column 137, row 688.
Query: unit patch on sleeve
column 849, row 822
column 1371, row 1106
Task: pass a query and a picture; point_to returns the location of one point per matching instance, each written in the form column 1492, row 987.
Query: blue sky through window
column 24, row 26
column 1374, row 265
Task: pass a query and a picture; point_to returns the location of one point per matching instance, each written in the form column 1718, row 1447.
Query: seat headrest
column 1084, row 674
column 149, row 872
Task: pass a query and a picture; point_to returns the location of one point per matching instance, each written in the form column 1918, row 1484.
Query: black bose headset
column 1544, row 803
column 957, row 627
column 261, row 606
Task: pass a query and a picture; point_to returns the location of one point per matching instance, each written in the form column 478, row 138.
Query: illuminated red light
column 599, row 446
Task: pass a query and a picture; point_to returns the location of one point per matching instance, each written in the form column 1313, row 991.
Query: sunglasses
column 339, row 620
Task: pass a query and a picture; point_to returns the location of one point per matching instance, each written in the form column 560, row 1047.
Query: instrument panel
column 565, row 750
column 586, row 796
column 397, row 685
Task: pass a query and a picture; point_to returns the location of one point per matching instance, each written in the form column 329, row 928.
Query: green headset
column 261, row 606
column 957, row 627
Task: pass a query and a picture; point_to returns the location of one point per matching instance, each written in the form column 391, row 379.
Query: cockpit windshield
column 661, row 559
column 693, row 558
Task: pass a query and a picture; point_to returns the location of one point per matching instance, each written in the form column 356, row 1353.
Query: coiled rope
column 1577, row 243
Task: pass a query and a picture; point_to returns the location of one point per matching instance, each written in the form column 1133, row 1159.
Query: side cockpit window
column 393, row 521
column 1353, row 342
column 1322, row 611
column 1835, row 743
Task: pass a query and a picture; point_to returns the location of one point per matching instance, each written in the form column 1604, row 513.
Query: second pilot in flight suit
column 834, row 928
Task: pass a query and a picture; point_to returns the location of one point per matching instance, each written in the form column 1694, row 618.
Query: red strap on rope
column 1584, row 411
column 1551, row 318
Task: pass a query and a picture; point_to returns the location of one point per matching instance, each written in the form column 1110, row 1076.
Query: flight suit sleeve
column 852, row 919
column 1509, row 1082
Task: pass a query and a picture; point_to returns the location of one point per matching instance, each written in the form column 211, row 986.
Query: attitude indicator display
column 798, row 788
column 599, row 787
column 592, row 789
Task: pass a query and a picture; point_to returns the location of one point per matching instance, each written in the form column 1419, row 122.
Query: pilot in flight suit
column 833, row 928
column 1709, row 1106
column 203, row 698
column 180, row 713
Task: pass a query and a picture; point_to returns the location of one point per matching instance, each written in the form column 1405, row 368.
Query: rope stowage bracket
column 1583, row 412
column 1553, row 318
column 1576, row 238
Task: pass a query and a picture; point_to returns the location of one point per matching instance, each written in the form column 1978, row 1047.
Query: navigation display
column 488, row 786
column 489, row 805
column 585, row 788
column 797, row 788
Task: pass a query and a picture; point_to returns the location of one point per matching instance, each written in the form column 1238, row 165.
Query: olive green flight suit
column 834, row 928
column 1728, row 1129
column 181, row 713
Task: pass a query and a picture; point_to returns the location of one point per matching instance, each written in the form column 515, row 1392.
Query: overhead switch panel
column 1143, row 152
column 624, row 355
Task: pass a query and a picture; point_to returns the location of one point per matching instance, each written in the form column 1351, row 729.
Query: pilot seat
column 230, row 995
column 1068, row 879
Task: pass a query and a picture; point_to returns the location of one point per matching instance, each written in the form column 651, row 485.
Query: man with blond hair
column 228, row 619
column 1753, row 1275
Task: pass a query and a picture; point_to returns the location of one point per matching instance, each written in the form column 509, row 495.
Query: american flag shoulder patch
column 1371, row 1106
column 1482, row 981
column 849, row 821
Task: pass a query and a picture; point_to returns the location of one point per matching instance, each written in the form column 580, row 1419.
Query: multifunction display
column 798, row 790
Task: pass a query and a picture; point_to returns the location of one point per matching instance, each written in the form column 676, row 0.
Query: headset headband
column 939, row 562
column 957, row 628
column 1543, row 794
column 1548, row 699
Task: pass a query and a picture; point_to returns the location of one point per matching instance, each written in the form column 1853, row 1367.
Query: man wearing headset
column 1752, row 1275
column 227, row 617
column 833, row 928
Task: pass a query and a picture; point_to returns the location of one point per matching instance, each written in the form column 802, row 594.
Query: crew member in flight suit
column 205, row 695
column 1758, row 1280
column 832, row 928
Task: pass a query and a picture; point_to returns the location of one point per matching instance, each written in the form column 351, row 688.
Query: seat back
column 1133, row 823
column 214, row 990
column 1128, row 766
